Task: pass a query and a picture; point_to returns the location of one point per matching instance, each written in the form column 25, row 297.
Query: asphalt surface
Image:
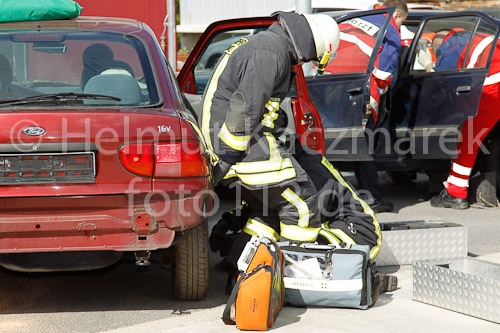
column 123, row 298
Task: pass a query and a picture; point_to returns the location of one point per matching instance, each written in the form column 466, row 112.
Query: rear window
column 79, row 65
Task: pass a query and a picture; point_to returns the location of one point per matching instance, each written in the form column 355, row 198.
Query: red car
column 99, row 154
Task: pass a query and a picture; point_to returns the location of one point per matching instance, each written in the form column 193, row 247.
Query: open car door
column 219, row 37
column 431, row 105
column 342, row 94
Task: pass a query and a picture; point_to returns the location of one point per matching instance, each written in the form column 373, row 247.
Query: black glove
column 219, row 171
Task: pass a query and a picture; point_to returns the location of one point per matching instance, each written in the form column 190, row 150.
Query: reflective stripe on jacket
column 478, row 57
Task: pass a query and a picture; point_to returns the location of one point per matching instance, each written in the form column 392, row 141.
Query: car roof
column 412, row 13
column 418, row 14
column 81, row 22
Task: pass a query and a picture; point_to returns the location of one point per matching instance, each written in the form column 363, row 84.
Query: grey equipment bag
column 330, row 276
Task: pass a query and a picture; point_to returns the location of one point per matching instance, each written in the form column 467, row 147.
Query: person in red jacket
column 357, row 42
column 475, row 129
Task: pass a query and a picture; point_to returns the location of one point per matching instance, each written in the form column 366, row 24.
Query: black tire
column 191, row 271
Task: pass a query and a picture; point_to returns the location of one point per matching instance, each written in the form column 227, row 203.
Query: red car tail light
column 137, row 158
column 179, row 159
column 164, row 159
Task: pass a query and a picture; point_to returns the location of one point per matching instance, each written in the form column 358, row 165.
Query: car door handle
column 354, row 91
column 463, row 89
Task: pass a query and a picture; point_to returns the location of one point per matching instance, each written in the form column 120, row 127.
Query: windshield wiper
column 65, row 96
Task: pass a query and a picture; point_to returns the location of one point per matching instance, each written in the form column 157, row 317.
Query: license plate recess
column 47, row 168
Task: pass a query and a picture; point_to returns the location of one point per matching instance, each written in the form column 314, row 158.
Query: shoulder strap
column 226, row 315
column 375, row 276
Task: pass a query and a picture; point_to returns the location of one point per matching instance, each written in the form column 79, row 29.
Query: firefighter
column 241, row 121
column 359, row 33
column 475, row 129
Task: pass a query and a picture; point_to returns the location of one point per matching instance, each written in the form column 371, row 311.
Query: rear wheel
column 191, row 264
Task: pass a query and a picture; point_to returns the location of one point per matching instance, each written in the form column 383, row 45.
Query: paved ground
column 122, row 300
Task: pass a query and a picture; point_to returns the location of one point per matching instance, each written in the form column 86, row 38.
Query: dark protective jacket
column 241, row 116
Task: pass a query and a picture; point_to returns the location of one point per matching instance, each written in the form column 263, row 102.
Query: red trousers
column 473, row 133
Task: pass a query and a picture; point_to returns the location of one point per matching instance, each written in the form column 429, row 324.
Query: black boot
column 388, row 283
column 446, row 200
column 382, row 207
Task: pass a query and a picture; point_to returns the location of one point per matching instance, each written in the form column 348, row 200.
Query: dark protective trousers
column 279, row 212
column 367, row 176
column 345, row 217
column 289, row 211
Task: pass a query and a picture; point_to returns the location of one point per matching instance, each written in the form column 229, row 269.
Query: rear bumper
column 107, row 222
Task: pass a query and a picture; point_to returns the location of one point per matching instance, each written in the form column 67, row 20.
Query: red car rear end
column 98, row 153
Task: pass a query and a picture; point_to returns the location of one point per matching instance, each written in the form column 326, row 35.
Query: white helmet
column 325, row 32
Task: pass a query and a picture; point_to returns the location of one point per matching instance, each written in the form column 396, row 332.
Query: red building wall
column 151, row 12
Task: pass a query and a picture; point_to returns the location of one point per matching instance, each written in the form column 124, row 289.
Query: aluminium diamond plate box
column 466, row 285
column 408, row 241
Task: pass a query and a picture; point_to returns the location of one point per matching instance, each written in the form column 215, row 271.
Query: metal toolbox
column 466, row 285
column 408, row 241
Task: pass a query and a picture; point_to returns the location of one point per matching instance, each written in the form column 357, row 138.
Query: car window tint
column 216, row 47
column 292, row 93
column 358, row 36
column 79, row 62
column 446, row 42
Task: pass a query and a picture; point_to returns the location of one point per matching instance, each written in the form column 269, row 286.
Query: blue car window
column 210, row 56
column 452, row 44
column 484, row 38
